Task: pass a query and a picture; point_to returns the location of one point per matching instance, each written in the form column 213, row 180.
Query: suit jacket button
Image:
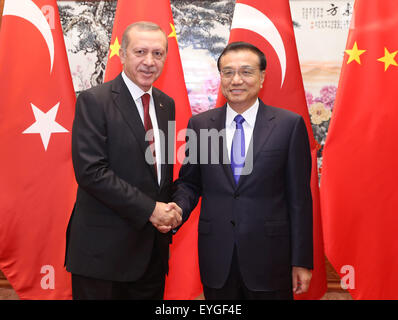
column 236, row 195
column 233, row 222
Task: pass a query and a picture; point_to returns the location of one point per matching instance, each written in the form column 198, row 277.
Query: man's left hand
column 301, row 279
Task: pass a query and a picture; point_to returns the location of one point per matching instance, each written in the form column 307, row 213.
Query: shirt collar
column 135, row 91
column 249, row 115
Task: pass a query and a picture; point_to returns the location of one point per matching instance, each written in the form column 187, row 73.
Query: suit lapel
column 125, row 103
column 162, row 116
column 262, row 129
column 218, row 123
column 261, row 132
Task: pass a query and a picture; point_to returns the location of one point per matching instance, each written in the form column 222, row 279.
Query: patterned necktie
column 148, row 126
column 238, row 149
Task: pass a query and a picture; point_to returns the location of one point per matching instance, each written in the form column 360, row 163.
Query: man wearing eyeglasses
column 255, row 225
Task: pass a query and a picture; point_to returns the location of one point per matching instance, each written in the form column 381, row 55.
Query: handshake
column 166, row 216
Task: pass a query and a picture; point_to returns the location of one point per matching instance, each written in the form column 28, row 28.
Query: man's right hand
column 166, row 216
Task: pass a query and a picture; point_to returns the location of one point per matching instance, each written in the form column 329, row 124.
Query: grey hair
column 143, row 26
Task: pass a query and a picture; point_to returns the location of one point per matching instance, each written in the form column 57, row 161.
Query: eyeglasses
column 244, row 73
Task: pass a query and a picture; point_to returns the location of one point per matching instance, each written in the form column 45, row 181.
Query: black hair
column 240, row 45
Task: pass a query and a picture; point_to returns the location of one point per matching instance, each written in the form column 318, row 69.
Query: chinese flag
column 359, row 194
column 183, row 280
column 268, row 25
column 37, row 185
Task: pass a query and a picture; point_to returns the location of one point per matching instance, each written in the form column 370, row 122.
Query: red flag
column 37, row 185
column 359, row 195
column 183, row 280
column 268, row 25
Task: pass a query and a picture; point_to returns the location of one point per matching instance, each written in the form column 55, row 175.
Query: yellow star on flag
column 115, row 47
column 173, row 31
column 354, row 54
column 388, row 59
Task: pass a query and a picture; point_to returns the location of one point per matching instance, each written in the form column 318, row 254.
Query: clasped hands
column 166, row 216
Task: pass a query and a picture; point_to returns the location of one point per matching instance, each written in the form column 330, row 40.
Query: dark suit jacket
column 109, row 235
column 268, row 215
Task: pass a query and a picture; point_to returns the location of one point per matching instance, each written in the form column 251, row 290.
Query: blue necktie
column 238, row 149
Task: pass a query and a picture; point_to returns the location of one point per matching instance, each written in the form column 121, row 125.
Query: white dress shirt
column 248, row 125
column 136, row 92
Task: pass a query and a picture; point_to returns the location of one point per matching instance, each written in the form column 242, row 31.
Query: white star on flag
column 45, row 124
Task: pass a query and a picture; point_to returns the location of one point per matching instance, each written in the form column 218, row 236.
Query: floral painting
column 320, row 110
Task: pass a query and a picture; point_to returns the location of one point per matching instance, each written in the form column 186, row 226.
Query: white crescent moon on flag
column 29, row 11
column 247, row 17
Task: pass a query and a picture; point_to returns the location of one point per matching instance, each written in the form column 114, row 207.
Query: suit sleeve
column 299, row 196
column 188, row 186
column 91, row 165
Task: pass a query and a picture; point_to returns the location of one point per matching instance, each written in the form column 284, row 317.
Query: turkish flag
column 268, row 25
column 37, row 185
column 183, row 280
column 359, row 195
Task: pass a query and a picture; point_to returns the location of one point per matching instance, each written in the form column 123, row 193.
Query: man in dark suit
column 255, row 225
column 114, row 249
